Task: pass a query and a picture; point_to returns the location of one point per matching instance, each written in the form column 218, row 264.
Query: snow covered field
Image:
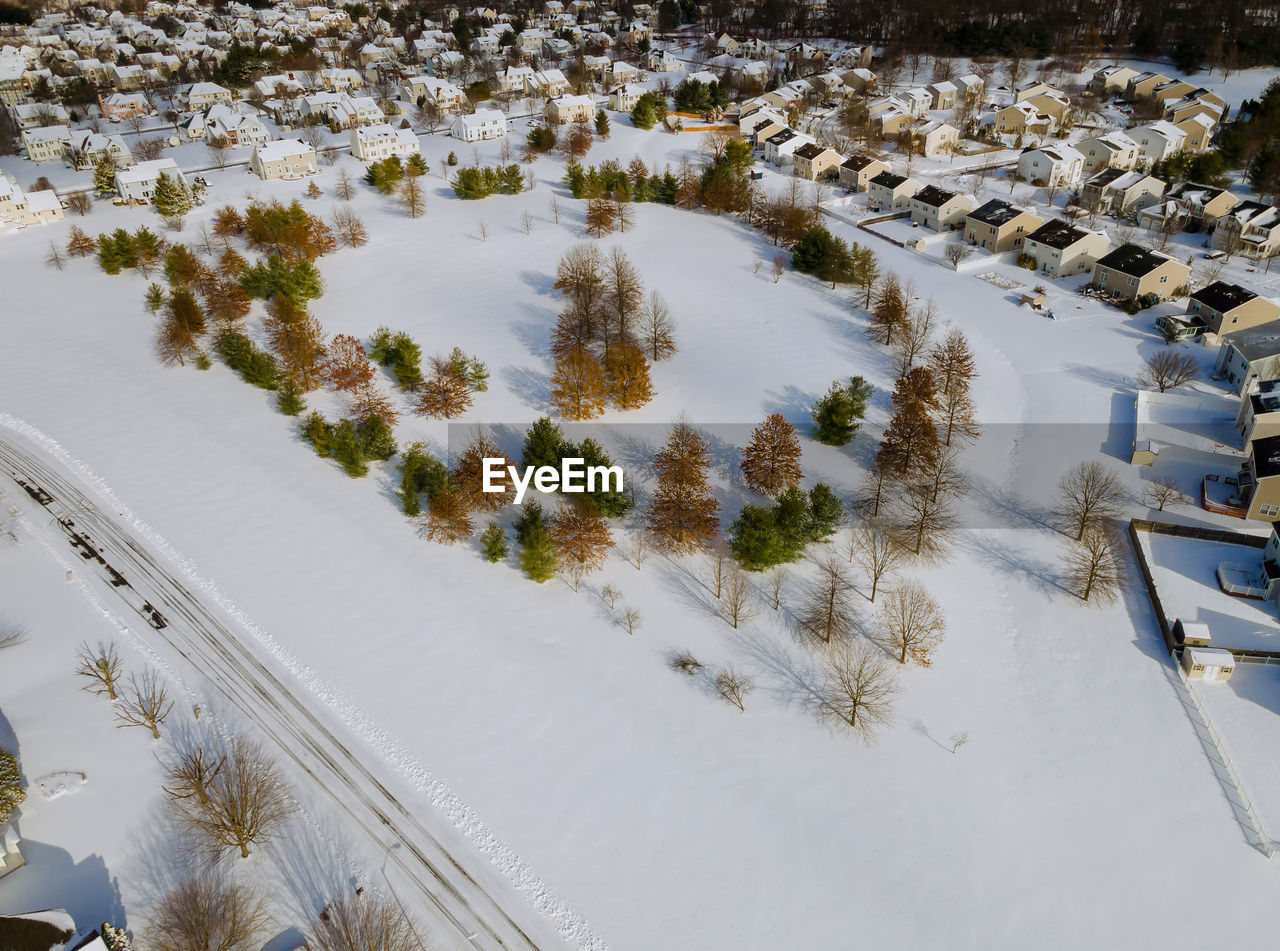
column 662, row 816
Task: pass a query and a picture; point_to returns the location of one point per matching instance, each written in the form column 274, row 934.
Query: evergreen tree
column 155, row 297
column 494, row 543
column 837, row 415
column 602, row 124
column 346, row 448
column 289, row 398
column 104, row 178
column 420, row 473
column 171, row 197
column 417, row 165
column 544, row 444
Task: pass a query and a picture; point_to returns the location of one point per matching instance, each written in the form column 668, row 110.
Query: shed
column 1191, row 633
column 1208, row 663
column 1033, row 298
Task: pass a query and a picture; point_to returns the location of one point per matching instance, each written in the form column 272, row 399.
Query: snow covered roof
column 481, row 116
column 284, row 148
column 1211, row 656
column 146, row 171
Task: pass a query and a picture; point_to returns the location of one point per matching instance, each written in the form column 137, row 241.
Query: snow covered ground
column 662, row 816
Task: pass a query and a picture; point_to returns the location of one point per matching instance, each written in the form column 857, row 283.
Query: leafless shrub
column 733, row 687
column 629, row 620
column 101, row 666
column 737, row 602
column 1094, row 571
column 828, row 616
column 685, row 663
column 610, row 595
column 146, row 704
column 958, row 740
column 365, row 922
column 1168, row 369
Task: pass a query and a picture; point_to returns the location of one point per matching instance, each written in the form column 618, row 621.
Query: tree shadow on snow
column 1042, row 575
column 531, row 387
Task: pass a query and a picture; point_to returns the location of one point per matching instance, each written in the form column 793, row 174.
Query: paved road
column 217, row 649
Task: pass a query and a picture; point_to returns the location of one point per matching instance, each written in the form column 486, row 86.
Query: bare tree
column 54, row 258
column 234, row 800
column 876, row 551
column 779, row 267
column 829, row 615
column 956, row 252
column 412, row 197
column 345, row 187
column 1094, row 572
column 914, row 336
column 737, row 601
column 554, row 207
column 209, row 912
column 733, row 687
column 147, row 703
column 629, row 620
column 1089, row 496
column 526, row 222
column 685, row 663
column 482, row 230
column 1168, row 369
column 958, row 740
column 657, row 329
column 639, row 550
column 860, row 689
column 101, row 666
column 365, row 922
column 219, row 151
column 777, row 584
column 80, row 203
column 913, row 622
column 610, row 596
column 1163, row 491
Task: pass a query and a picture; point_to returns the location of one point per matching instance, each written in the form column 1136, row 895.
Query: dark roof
column 1056, row 234
column 933, row 195
column 782, row 135
column 1106, row 176
column 1132, row 260
column 857, row 163
column 810, row 150
column 1266, row 456
column 1223, row 297
column 995, row 212
column 888, row 180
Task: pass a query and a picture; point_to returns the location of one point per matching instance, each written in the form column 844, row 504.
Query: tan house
column 568, row 109
column 1176, row 112
column 1226, row 308
column 1052, row 103
column 1117, row 192
column 286, row 158
column 1030, row 89
column 46, row 144
column 813, row 162
column 931, row 139
column 203, row 95
column 1022, row 118
column 1199, row 130
column 1114, row 150
column 1208, row 663
column 943, row 93
column 1251, row 228
column 19, row 209
column 1144, row 84
column 1131, row 271
column 1061, row 249
column 1111, row 80
column 857, row 171
column 1259, row 415
column 1249, row 356
column 939, row 209
column 1259, row 480
column 1173, row 89
column 999, row 226
column 860, row 80
column 889, row 191
column 891, row 122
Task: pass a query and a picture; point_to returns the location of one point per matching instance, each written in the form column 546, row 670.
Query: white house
column 481, row 124
column 1051, row 165
column 1158, row 140
column 1113, row 150
column 287, row 158
column 46, row 144
column 780, row 148
column 19, row 209
column 138, row 182
column 376, row 142
column 203, row 95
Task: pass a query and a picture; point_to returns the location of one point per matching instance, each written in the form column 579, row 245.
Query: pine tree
column 627, row 373
column 313, row 191
column 494, row 543
column 289, row 398
column 911, row 441
column 544, row 444
column 577, row 385
column 104, row 178
column 171, row 197
column 297, row 339
column 771, row 461
column 538, row 558
column 837, row 415
column 155, row 297
column 602, row 124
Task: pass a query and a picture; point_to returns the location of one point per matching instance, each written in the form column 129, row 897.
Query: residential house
column 1251, row 228
column 286, row 158
column 203, row 95
column 121, row 107
column 1113, row 150
column 1023, row 119
column 761, row 125
column 138, row 182
column 547, row 84
column 1144, row 84
column 34, row 115
column 1222, row 308
column 568, row 109
column 481, row 124
column 814, row 162
column 932, row 139
column 46, row 144
column 939, row 209
column 1171, row 91
column 1061, row 249
column 1158, row 140
column 515, row 79
column 1259, row 417
column 377, row 142
column 860, row 81
column 944, row 94
column 19, row 209
column 890, row 120
column 1176, row 112
column 857, row 171
column 341, row 80
column 221, row 122
column 1120, row 193
column 1051, row 165
column 889, row 191
column 440, row 93
column 1200, row 206
column 1199, row 133
column 970, row 88
column 780, row 147
column 1249, row 356
column 625, row 98
column 1052, row 103
column 1111, row 80
column 914, row 102
column 999, row 226
column 1130, row 272
column 1030, row 89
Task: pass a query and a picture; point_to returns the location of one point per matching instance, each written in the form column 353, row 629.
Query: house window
column 1269, row 510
